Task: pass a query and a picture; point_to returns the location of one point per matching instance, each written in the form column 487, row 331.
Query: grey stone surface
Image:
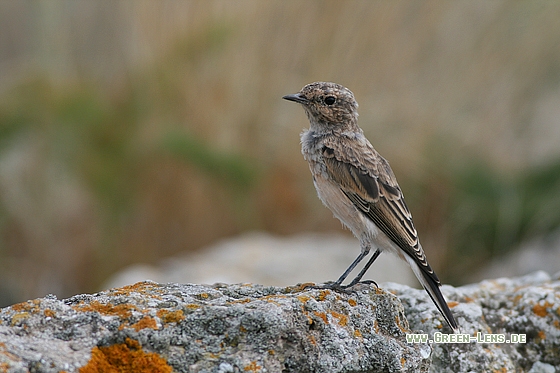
column 220, row 328
column 150, row 327
column 528, row 305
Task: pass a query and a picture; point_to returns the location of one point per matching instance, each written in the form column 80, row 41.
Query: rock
column 150, row 327
column 528, row 306
column 262, row 258
column 220, row 328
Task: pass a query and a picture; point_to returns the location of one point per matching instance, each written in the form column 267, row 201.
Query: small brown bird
column 359, row 187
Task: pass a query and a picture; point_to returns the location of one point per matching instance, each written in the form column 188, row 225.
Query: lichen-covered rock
column 525, row 306
column 150, row 327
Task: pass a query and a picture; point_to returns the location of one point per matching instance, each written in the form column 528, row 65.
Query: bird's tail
column 432, row 285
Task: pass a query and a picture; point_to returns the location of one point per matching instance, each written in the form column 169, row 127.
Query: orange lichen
column 252, row 367
column 300, row 287
column 18, row 317
column 517, row 298
column 29, row 306
column 342, row 319
column 49, row 313
column 403, row 361
column 358, row 334
column 452, row 304
column 322, row 315
column 541, row 335
column 540, row 310
column 303, row 298
column 239, row 301
column 323, row 294
column 124, row 358
column 144, row 287
column 193, row 306
column 122, row 310
column 145, row 322
column 556, row 324
column 398, row 322
column 352, row 302
column 312, row 340
column 171, row 316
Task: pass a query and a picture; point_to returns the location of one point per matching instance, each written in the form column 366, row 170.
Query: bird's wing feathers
column 372, row 187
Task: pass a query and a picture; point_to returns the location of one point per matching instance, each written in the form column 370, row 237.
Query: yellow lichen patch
column 7, row 354
column 122, row 310
column 342, row 319
column 452, row 304
column 18, row 317
column 193, row 306
column 323, row 294
column 145, row 322
column 541, row 335
column 48, row 312
column 125, row 357
column 469, row 300
column 239, row 301
column 398, row 321
column 303, row 298
column 358, row 334
column 252, row 367
column 300, row 287
column 501, row 370
column 556, row 324
column 517, row 298
column 403, row 361
column 144, row 287
column 171, row 316
column 271, row 352
column 312, row 339
column 204, row 295
column 352, row 302
column 540, row 310
column 322, row 315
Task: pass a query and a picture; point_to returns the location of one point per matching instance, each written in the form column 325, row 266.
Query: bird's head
column 327, row 104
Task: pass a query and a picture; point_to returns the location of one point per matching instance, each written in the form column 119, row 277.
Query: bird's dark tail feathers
column 433, row 288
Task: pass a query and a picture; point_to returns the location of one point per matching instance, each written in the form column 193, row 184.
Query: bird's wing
column 368, row 181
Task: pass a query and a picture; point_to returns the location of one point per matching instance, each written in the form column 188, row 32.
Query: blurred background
column 135, row 132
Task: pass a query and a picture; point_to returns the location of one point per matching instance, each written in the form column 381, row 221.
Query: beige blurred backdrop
column 132, row 131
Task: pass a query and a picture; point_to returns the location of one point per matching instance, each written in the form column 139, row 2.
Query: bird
column 357, row 184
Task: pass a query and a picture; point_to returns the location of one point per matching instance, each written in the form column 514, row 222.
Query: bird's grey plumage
column 358, row 185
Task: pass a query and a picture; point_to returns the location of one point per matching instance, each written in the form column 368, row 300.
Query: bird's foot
column 335, row 286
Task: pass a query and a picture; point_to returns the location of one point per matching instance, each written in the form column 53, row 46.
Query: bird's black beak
column 297, row 97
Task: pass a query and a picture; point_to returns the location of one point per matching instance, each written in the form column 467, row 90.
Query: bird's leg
column 364, row 270
column 338, row 283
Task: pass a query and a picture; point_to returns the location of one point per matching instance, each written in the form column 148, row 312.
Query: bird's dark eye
column 329, row 100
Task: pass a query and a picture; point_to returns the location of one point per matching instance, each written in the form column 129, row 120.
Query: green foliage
column 491, row 213
column 225, row 167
